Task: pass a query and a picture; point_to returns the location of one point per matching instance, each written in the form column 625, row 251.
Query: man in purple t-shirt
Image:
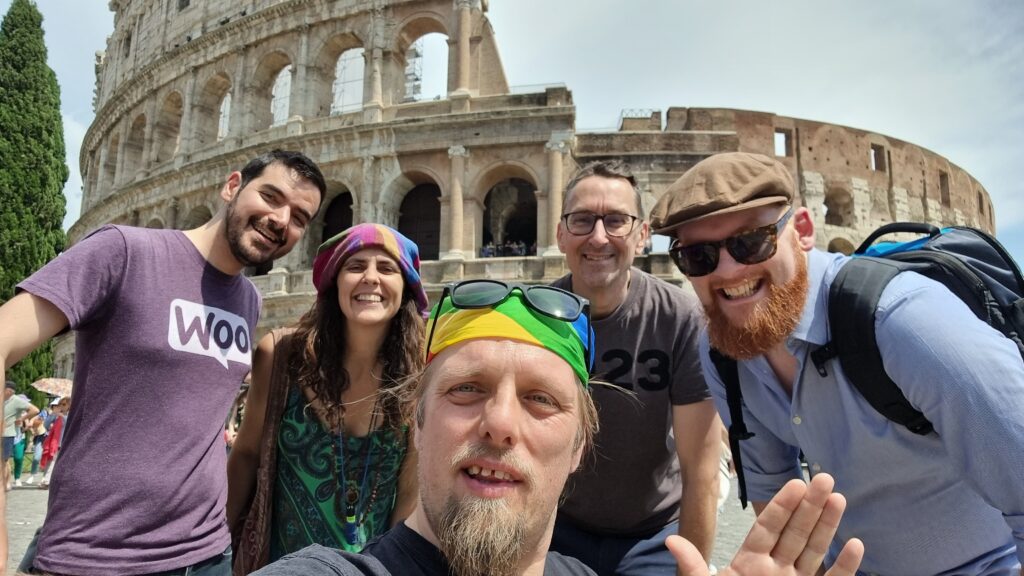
column 164, row 323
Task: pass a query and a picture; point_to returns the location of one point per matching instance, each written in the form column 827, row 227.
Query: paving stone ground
column 733, row 525
column 26, row 509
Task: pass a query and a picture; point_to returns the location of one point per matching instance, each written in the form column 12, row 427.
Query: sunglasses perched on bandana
column 749, row 247
column 547, row 300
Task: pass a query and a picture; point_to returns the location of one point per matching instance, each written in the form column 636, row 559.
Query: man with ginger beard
column 949, row 502
column 503, row 416
column 163, row 322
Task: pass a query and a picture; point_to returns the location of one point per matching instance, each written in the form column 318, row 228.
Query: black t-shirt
column 399, row 552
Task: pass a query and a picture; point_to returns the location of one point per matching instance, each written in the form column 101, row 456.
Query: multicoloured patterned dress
column 310, row 505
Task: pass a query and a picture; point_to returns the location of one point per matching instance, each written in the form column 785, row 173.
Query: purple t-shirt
column 163, row 342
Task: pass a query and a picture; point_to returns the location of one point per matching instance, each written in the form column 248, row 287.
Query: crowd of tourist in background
column 507, row 248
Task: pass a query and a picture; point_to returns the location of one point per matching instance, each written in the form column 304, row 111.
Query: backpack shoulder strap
column 728, row 371
column 853, row 299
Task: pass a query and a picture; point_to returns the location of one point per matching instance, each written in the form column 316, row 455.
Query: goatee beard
column 234, row 230
column 481, row 537
column 768, row 325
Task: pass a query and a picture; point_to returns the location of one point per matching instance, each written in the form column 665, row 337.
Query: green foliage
column 32, row 169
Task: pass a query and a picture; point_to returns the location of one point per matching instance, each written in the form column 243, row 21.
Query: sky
column 947, row 75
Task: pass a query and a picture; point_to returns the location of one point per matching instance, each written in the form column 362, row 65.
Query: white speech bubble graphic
column 208, row 331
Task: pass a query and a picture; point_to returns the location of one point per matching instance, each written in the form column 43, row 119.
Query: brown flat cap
column 722, row 183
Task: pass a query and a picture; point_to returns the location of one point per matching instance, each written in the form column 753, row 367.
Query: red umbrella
column 54, row 386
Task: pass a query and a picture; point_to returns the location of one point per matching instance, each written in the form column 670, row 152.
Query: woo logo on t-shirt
column 208, row 331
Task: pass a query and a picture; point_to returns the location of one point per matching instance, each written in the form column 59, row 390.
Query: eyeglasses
column 750, row 247
column 582, row 223
column 548, row 300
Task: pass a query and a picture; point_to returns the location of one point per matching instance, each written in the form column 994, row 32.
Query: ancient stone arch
column 839, row 207
column 507, row 193
column 94, row 168
column 207, row 108
column 262, row 86
column 418, row 213
column 841, row 245
column 410, row 30
column 110, row 164
column 337, row 212
column 167, row 130
column 196, row 217
column 134, row 149
column 323, row 75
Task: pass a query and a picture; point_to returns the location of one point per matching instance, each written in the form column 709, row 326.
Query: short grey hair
column 604, row 169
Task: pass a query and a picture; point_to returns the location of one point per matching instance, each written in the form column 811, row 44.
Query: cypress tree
column 32, row 169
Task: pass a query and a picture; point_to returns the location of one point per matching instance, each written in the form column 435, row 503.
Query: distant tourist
column 16, row 409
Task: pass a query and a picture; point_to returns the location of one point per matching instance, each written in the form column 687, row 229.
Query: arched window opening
column 110, row 166
column 167, row 133
column 338, row 216
column 426, row 68
column 197, row 217
column 838, row 208
column 841, row 245
column 280, row 96
column 420, row 219
column 347, row 89
column 510, row 219
column 133, row 147
column 224, row 117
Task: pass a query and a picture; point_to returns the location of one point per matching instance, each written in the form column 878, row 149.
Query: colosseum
column 188, row 91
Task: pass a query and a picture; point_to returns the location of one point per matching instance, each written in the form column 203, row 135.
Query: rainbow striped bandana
column 514, row 319
column 337, row 249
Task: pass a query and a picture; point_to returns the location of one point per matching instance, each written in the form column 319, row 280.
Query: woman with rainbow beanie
column 323, row 454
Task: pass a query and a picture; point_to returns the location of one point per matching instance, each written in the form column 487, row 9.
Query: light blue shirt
column 949, row 503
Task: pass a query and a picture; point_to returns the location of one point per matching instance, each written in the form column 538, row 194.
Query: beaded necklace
column 346, row 502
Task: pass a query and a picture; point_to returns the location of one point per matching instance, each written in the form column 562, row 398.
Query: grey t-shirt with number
column 631, row 483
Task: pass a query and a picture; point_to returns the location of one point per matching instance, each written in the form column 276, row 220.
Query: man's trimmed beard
column 769, row 324
column 480, row 537
column 234, row 229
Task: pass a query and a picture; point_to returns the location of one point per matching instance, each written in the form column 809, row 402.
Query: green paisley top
column 308, row 503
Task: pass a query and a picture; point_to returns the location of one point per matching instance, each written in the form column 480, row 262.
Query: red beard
column 770, row 323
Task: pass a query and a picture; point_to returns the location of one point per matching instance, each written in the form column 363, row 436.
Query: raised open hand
column 790, row 537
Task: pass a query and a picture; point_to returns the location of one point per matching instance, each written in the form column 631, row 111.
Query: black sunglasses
column 749, row 247
column 548, row 300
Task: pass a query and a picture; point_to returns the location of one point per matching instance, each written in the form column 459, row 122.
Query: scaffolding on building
column 414, row 72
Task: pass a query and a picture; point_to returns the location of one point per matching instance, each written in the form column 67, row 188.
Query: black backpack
column 972, row 264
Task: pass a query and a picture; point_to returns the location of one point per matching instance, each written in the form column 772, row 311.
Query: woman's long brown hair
column 317, row 355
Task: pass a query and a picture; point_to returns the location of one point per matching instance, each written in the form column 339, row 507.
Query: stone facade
column 188, row 91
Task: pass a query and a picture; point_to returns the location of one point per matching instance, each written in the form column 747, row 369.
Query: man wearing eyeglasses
column 503, row 415
column 949, row 502
column 655, row 469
